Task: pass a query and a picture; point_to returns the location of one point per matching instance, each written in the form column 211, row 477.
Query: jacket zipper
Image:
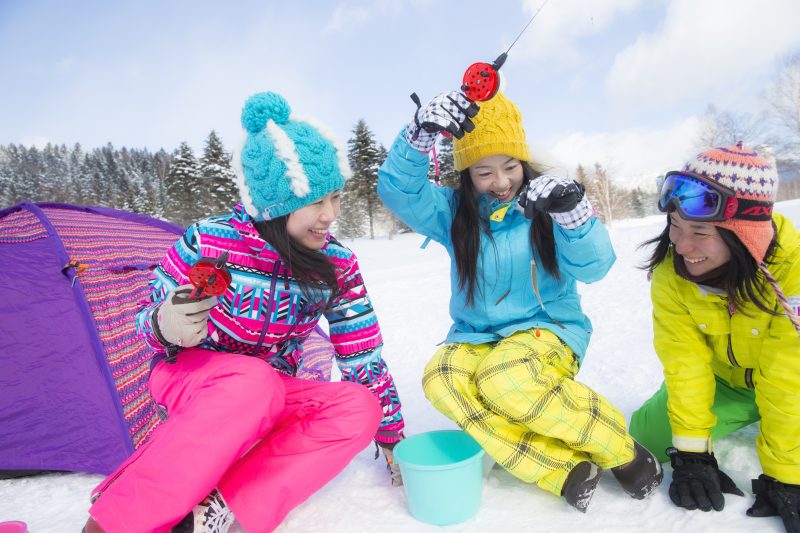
column 748, row 372
column 271, row 301
column 107, row 483
column 539, row 296
column 731, row 357
column 748, row 378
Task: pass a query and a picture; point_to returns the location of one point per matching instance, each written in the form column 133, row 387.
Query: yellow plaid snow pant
column 518, row 400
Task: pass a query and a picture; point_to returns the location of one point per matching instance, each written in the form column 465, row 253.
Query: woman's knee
column 252, row 385
column 360, row 407
column 443, row 376
column 502, row 372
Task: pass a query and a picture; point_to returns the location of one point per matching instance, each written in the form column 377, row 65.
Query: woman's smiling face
column 309, row 225
column 497, row 175
column 699, row 244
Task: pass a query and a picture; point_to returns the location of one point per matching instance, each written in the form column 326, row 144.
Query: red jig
column 210, row 277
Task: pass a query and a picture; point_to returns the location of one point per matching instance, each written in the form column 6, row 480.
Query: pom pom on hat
column 284, row 163
column 262, row 107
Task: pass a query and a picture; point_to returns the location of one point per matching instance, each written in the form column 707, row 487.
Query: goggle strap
column 754, row 210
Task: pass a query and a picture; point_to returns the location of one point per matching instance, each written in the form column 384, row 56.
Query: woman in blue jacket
column 518, row 242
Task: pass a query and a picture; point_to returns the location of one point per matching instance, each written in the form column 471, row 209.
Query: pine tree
column 161, row 163
column 54, row 174
column 361, row 191
column 448, row 175
column 75, row 177
column 217, row 177
column 183, row 194
column 127, row 184
column 30, row 174
column 99, row 189
column 7, row 188
column 143, row 167
column 111, row 178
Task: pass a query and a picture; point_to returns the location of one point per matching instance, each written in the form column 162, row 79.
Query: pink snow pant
column 265, row 440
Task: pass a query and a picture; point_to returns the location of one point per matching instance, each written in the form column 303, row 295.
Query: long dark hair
column 742, row 283
column 468, row 225
column 313, row 270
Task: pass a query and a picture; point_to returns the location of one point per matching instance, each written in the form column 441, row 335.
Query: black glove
column 697, row 481
column 562, row 198
column 774, row 498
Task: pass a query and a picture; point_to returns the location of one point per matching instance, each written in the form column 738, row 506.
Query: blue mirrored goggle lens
column 695, row 198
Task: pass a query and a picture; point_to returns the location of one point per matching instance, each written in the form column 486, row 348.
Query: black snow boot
column 640, row 477
column 580, row 484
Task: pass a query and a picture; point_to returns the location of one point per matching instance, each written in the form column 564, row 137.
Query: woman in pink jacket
column 243, row 436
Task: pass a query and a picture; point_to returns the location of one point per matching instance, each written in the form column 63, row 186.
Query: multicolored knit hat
column 284, row 163
column 498, row 130
column 751, row 177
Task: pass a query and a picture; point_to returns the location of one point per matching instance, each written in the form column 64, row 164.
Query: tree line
column 181, row 187
column 174, row 186
column 177, row 186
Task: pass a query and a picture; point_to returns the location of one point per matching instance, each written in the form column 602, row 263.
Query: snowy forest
column 182, row 186
column 179, row 186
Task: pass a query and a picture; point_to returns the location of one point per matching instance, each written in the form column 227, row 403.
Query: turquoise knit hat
column 284, row 163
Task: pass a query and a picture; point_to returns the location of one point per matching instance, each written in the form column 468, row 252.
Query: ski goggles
column 698, row 199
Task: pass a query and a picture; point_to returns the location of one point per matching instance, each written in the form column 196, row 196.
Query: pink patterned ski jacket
column 264, row 313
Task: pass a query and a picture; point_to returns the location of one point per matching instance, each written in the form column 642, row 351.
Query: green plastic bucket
column 442, row 475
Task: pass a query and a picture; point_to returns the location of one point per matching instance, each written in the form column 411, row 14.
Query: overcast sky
column 623, row 82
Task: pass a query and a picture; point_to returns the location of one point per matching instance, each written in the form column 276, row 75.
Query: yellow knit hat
column 498, row 130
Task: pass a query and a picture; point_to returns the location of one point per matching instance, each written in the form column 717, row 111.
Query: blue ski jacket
column 505, row 301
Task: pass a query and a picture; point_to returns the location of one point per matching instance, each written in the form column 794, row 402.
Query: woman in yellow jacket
column 726, row 291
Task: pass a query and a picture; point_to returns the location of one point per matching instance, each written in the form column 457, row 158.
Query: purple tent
column 73, row 373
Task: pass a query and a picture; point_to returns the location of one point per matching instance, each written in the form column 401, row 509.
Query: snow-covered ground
column 410, row 289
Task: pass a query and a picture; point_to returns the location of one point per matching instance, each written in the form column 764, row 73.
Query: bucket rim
column 449, row 466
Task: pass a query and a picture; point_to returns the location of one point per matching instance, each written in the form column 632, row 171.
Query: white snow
column 410, row 290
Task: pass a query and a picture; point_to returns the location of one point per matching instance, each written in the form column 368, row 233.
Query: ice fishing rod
column 481, row 80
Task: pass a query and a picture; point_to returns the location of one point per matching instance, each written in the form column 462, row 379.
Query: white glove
column 450, row 112
column 181, row 320
column 563, row 199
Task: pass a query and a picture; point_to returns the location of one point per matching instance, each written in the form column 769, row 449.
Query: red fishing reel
column 482, row 80
column 210, row 277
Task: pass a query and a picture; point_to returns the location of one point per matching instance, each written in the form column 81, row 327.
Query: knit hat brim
column 465, row 158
